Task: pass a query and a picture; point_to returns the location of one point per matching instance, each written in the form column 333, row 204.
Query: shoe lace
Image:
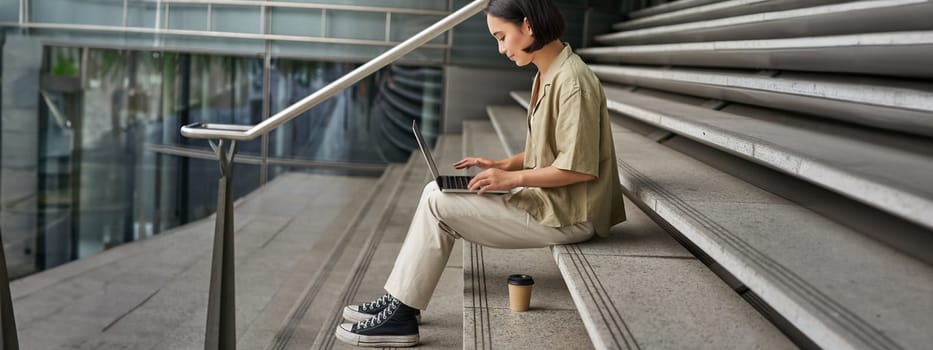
column 378, row 303
column 380, row 317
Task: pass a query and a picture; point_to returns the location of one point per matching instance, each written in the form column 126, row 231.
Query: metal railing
column 189, row 152
column 246, row 132
column 221, row 312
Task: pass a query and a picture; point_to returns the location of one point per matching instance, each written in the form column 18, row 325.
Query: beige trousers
column 441, row 218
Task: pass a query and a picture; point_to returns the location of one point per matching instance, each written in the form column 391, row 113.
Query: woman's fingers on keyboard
column 475, row 182
column 465, row 163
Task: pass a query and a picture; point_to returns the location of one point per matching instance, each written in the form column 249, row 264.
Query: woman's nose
column 501, row 49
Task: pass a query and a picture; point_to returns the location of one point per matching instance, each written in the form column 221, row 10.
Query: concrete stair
column 845, row 18
column 552, row 320
column 882, row 103
column 717, row 10
column 152, row 294
column 787, row 148
column 306, row 246
column 852, row 161
column 768, row 250
column 640, row 288
column 669, row 7
column 441, row 322
column 902, row 54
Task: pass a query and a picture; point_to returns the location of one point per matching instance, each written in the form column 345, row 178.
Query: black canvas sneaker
column 394, row 326
column 365, row 311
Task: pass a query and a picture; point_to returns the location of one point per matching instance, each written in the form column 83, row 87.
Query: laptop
column 447, row 183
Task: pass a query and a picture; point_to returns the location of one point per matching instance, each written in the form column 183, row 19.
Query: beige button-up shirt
column 568, row 128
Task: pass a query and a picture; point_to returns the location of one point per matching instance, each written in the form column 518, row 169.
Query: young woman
column 564, row 186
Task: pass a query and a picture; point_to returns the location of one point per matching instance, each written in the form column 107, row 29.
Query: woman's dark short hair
column 547, row 24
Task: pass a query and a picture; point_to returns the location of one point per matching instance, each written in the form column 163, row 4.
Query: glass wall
column 110, row 165
column 369, row 123
column 103, row 115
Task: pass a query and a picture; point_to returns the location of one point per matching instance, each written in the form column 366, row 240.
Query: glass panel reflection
column 100, row 185
column 111, row 166
column 369, row 122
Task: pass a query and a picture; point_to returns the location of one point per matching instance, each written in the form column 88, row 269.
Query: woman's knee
column 430, row 198
column 429, row 187
column 441, row 205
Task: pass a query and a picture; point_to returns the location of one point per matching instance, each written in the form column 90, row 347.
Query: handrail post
column 221, row 307
column 7, row 319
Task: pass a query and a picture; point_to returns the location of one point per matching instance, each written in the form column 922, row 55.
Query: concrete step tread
column 641, row 289
column 618, row 298
column 310, row 306
column 511, row 124
column 779, row 251
column 900, row 105
column 552, row 320
column 846, row 18
column 480, row 140
column 488, row 323
column 669, row 7
column 847, row 160
column 889, row 53
column 442, row 323
column 450, row 149
column 890, row 93
column 717, row 10
column 153, row 293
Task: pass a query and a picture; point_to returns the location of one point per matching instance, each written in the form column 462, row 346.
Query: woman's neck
column 546, row 55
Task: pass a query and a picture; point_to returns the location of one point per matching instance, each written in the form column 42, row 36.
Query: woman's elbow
column 582, row 177
column 571, row 177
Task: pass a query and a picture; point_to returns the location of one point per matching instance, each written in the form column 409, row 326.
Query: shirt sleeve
column 577, row 133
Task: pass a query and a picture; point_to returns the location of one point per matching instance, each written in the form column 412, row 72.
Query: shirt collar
column 557, row 63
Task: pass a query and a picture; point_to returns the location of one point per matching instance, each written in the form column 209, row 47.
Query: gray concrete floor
column 152, row 294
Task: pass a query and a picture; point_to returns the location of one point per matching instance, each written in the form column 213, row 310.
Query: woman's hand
column 470, row 162
column 494, row 180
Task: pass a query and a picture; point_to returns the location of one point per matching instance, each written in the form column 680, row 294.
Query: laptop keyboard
column 457, row 182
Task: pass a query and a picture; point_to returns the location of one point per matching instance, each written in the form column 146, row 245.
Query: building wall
column 468, row 90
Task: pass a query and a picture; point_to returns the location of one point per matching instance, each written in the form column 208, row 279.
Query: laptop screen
column 425, row 150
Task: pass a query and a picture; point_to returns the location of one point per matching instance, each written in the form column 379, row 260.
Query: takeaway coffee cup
column 520, row 292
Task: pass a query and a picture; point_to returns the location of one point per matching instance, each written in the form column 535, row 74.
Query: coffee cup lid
column 521, row 280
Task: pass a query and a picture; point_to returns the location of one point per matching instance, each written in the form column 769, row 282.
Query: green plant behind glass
column 64, row 67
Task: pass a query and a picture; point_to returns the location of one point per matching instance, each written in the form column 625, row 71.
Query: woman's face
column 512, row 39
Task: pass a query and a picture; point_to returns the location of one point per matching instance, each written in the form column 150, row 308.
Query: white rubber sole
column 355, row 316
column 373, row 341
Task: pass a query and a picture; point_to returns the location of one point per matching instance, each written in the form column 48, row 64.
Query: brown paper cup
column 520, row 292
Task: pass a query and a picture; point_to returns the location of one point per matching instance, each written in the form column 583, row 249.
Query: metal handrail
column 187, row 152
column 247, row 132
column 220, row 332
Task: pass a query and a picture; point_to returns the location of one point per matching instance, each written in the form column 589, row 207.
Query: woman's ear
column 526, row 26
